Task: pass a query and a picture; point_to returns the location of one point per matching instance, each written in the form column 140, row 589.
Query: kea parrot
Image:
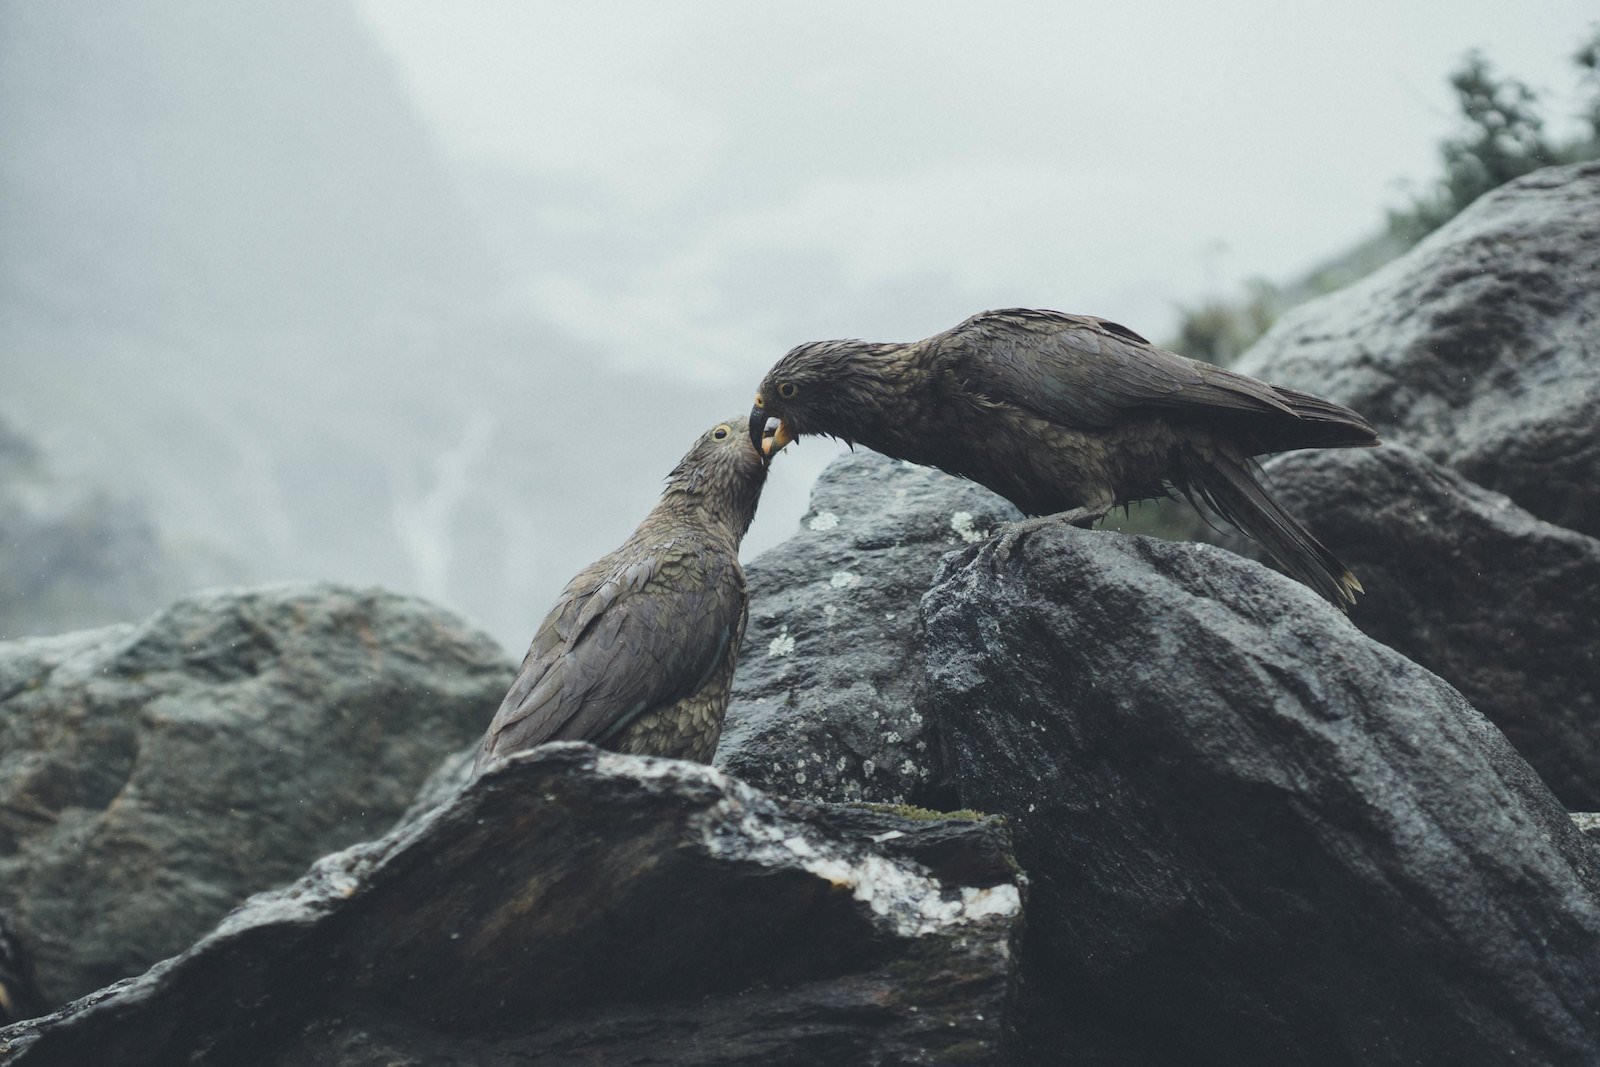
column 1067, row 414
column 638, row 653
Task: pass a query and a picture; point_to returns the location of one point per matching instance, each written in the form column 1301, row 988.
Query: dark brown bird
column 638, row 653
column 1070, row 414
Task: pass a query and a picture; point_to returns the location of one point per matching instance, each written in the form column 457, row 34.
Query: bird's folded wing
column 642, row 634
column 1089, row 373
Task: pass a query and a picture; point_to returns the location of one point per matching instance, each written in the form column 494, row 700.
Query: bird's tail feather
column 1323, row 424
column 1228, row 487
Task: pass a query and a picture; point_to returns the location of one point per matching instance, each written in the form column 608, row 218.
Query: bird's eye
column 787, row 390
column 720, row 433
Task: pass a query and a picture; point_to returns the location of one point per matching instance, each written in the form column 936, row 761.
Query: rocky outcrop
column 572, row 907
column 153, row 776
column 1253, row 835
column 1479, row 348
column 1253, row 831
column 823, row 698
column 1471, row 586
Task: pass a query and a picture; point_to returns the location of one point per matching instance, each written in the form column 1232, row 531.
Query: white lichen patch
column 1003, row 899
column 626, row 765
column 741, row 826
column 843, row 579
column 744, row 826
column 823, row 520
column 781, row 645
column 799, row 846
column 961, row 523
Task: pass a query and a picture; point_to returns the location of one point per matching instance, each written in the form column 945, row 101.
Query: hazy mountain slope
column 235, row 282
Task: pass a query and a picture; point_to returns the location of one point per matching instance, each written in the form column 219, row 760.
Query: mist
column 432, row 296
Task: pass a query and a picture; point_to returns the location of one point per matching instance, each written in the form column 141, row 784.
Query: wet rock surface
column 576, row 906
column 1471, row 586
column 1253, row 834
column 823, row 697
column 1480, row 347
column 153, row 776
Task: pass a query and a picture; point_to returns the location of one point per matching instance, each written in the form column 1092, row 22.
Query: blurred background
column 432, row 295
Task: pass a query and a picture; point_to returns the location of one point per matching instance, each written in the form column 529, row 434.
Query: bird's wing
column 1087, row 372
column 637, row 631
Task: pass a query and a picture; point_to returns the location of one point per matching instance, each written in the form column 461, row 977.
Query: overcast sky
column 706, row 184
column 1120, row 159
column 689, row 187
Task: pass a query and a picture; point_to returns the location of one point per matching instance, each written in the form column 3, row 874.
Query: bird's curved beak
column 769, row 434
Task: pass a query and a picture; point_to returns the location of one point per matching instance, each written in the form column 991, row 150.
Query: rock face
column 823, row 698
column 1474, row 588
column 153, row 776
column 1253, row 834
column 573, row 906
column 1480, row 348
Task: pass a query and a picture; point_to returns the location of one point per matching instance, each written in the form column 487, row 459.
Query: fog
column 432, row 295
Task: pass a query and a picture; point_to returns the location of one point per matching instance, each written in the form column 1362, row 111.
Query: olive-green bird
column 638, row 653
column 1071, row 414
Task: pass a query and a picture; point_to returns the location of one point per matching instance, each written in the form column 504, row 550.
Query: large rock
column 153, row 776
column 1471, row 586
column 1480, row 347
column 573, row 907
column 823, row 698
column 1252, row 834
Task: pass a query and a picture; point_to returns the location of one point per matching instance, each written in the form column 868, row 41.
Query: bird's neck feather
column 713, row 509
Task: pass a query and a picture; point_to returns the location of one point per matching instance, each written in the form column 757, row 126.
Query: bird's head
column 723, row 474
column 837, row 388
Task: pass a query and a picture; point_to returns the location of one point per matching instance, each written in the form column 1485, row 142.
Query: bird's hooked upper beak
column 769, row 434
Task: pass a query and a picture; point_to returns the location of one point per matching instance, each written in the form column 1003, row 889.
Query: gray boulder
column 1480, row 347
column 573, row 906
column 823, row 697
column 1471, row 586
column 153, row 776
column 1253, row 835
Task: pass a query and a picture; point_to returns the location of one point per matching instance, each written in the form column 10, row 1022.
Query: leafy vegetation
column 1502, row 136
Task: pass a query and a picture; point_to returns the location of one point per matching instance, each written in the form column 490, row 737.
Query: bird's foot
column 1014, row 533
